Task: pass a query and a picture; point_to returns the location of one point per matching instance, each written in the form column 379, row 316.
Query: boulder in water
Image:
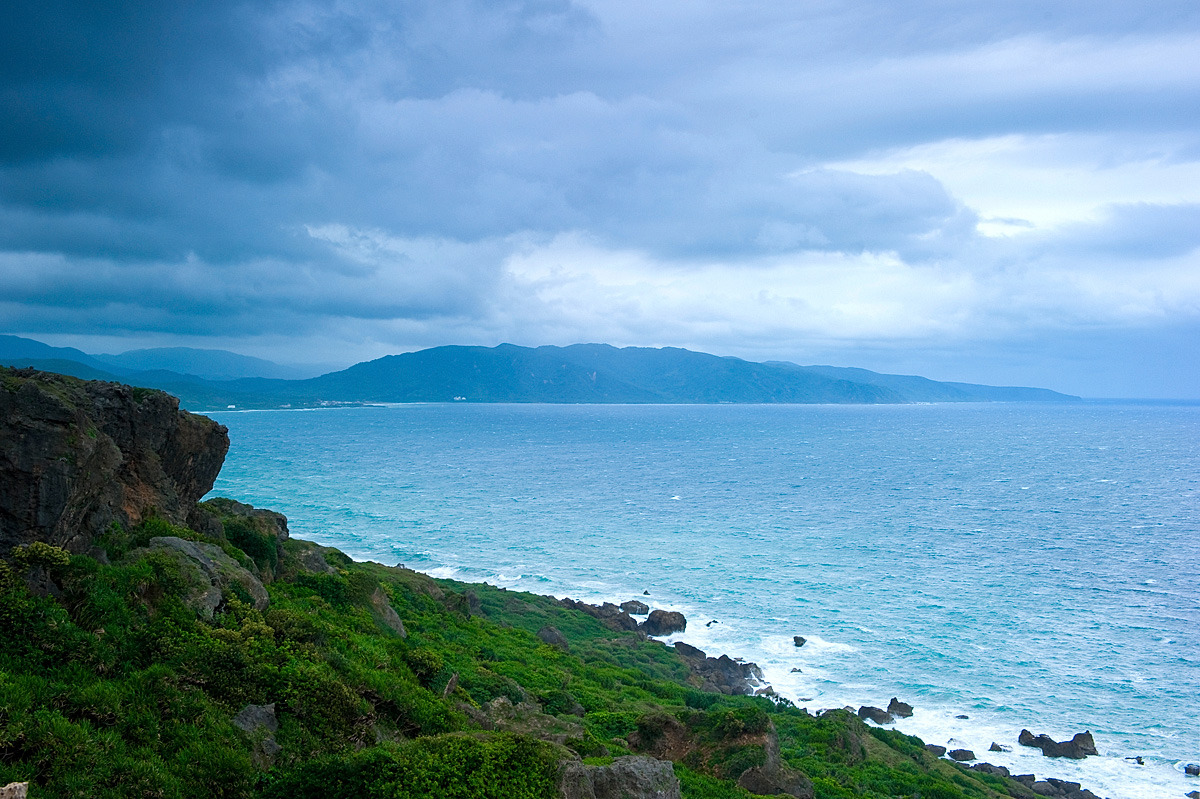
column 1079, row 747
column 899, row 709
column 635, row 607
column 961, row 755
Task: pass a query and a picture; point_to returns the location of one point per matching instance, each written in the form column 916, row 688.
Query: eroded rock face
column 630, row 777
column 722, row 675
column 77, row 455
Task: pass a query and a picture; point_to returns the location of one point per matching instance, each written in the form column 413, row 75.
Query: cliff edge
column 77, row 455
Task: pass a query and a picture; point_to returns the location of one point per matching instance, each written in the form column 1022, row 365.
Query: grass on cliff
column 112, row 686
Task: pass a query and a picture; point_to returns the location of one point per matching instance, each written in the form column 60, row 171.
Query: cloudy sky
column 1003, row 192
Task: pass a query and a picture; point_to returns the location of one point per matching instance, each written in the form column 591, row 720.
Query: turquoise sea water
column 1023, row 565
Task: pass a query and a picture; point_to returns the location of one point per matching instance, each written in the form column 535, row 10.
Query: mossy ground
column 117, row 689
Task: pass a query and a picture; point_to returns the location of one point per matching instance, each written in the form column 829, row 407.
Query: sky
column 998, row 192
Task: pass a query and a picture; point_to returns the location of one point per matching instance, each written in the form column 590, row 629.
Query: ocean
column 1020, row 565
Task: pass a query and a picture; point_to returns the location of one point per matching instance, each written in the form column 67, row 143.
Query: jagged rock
column 875, row 714
column 988, row 768
column 799, row 640
column 1192, row 794
column 612, row 616
column 209, row 572
column 76, row 456
column 631, row 777
column 635, row 607
column 259, row 722
column 1044, row 788
column 15, row 790
column 937, row 751
column 1025, row 779
column 386, row 613
column 1077, row 748
column 1192, row 769
column 899, row 709
column 663, row 622
column 724, row 675
column 553, row 637
column 995, row 747
column 961, row 755
column 689, row 652
column 646, row 593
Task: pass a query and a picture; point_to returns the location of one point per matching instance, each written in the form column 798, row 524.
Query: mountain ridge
column 577, row 373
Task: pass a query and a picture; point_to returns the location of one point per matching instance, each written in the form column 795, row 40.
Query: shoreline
column 929, row 722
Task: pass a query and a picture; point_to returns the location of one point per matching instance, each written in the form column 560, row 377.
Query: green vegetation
column 113, row 686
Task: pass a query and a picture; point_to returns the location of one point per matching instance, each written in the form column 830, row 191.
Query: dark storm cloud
column 264, row 167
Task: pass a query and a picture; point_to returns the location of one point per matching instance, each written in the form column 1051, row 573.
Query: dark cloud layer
column 217, row 168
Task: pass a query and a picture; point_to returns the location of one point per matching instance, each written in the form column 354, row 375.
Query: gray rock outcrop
column 961, row 755
column 76, row 456
column 635, row 607
column 612, row 616
column 260, row 724
column 385, row 613
column 210, row 574
column 14, row 790
column 553, row 637
column 900, row 710
column 631, row 777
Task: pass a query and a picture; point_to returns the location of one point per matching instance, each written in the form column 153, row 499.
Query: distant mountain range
column 581, row 373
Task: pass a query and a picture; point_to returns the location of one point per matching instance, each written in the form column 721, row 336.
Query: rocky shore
column 198, row 649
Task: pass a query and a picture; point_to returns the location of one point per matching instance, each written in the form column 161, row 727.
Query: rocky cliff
column 77, row 455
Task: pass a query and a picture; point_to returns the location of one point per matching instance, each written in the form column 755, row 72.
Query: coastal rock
column 1192, row 794
column 995, row 747
column 258, row 532
column 14, row 790
column 799, row 640
column 635, row 607
column 663, row 622
column 901, row 710
column 961, row 755
column 209, row 573
column 76, row 456
column 722, row 675
column 875, row 714
column 385, row 613
column 612, row 616
column 937, row 751
column 553, row 637
column 1192, row 769
column 631, row 777
column 988, row 768
column 1077, row 748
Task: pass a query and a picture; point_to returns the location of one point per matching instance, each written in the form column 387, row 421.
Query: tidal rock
column 14, row 790
column 1192, row 794
column 663, row 622
column 645, row 593
column 875, row 714
column 385, row 613
column 961, row 755
column 631, row 777
column 899, row 709
column 635, row 607
column 1192, row 769
column 995, row 747
column 554, row 637
column 1025, row 779
column 1077, row 748
column 962, row 716
column 937, row 751
column 76, row 456
column 799, row 640
column 690, row 652
column 209, row 573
